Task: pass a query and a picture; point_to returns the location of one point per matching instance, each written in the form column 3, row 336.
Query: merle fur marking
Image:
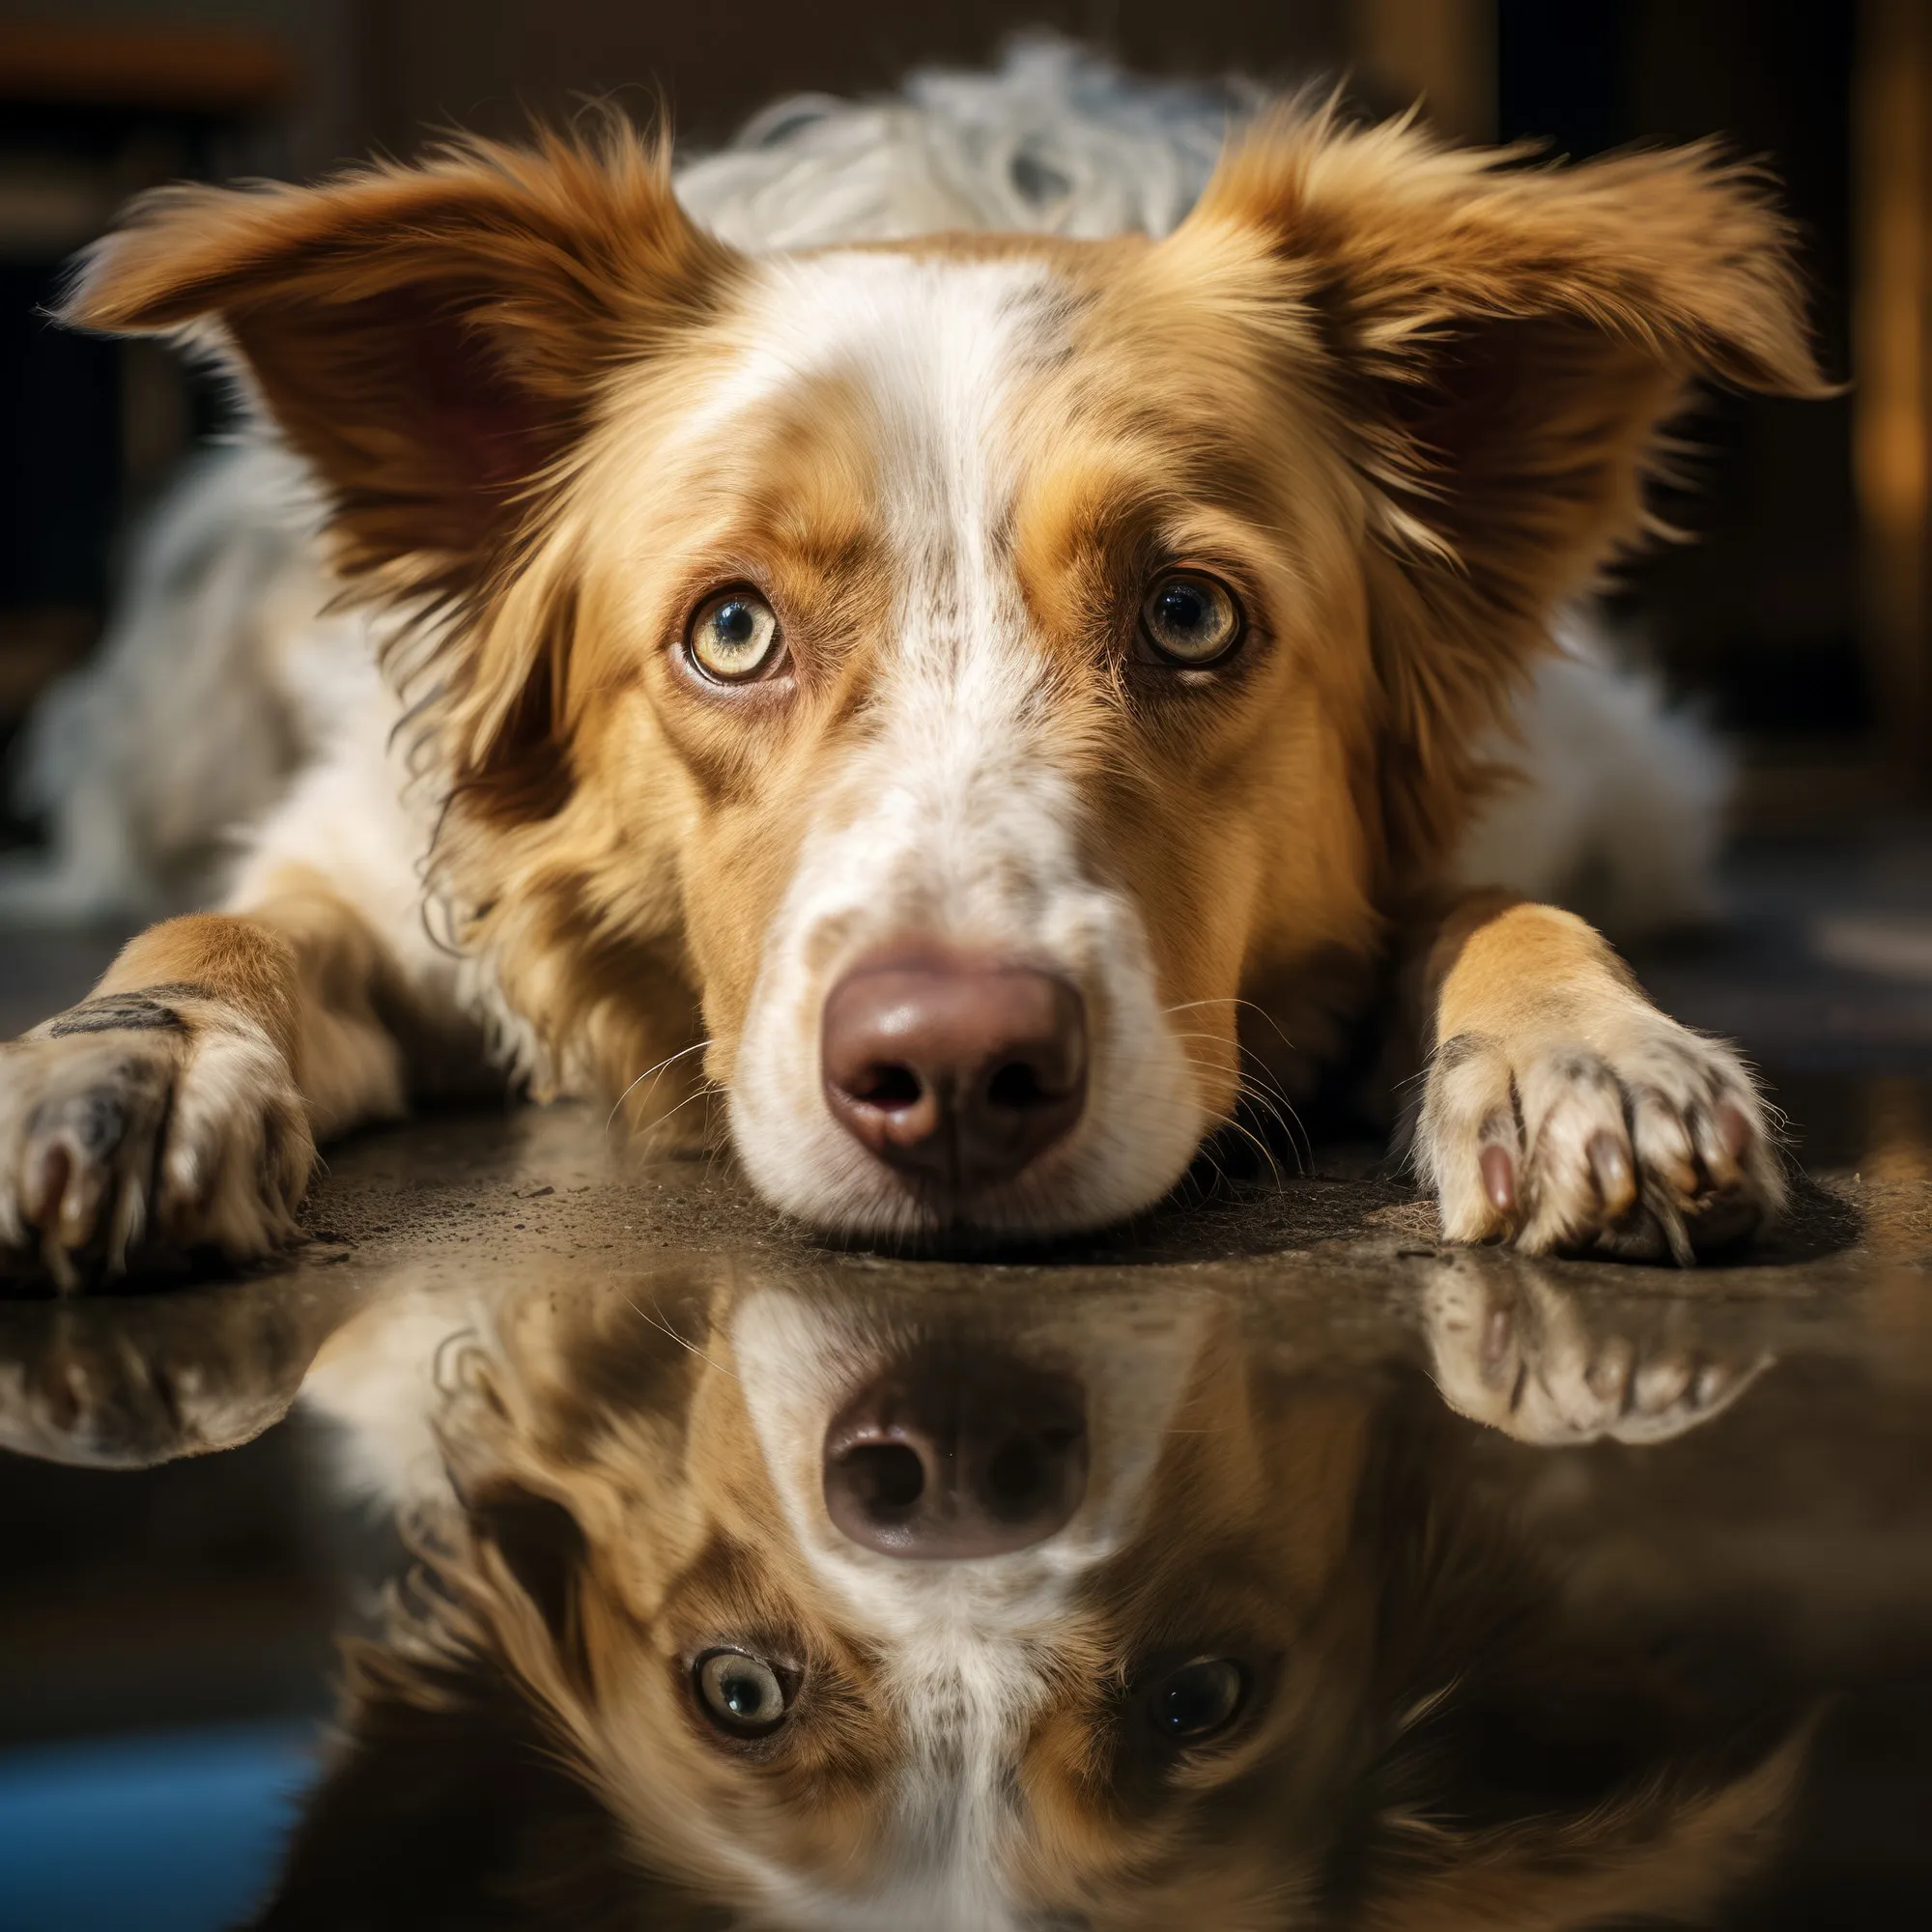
column 145, row 1012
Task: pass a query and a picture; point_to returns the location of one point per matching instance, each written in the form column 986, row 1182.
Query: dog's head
column 964, row 669
column 875, row 1613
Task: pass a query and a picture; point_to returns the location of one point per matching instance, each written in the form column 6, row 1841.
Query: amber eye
column 1198, row 1701
column 741, row 1694
column 1191, row 619
column 734, row 637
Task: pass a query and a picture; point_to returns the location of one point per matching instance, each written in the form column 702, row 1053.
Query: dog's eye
column 734, row 637
column 741, row 1694
column 1191, row 619
column 1198, row 1701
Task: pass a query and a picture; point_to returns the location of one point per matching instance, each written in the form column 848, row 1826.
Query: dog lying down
column 961, row 631
column 747, row 1600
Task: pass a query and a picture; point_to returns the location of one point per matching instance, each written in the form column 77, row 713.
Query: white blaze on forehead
column 936, row 345
column 943, row 812
column 940, row 351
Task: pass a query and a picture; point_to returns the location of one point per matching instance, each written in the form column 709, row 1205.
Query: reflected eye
column 734, row 637
column 1198, row 1700
column 741, row 1694
column 1191, row 619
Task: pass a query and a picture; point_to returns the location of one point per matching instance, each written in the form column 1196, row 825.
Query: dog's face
column 968, row 667
column 816, row 1688
column 868, row 1614
column 1035, row 654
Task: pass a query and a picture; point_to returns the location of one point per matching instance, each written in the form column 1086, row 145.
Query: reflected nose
column 957, row 1071
column 950, row 1456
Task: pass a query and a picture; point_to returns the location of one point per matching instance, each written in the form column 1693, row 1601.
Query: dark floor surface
column 208, row 1587
column 1823, row 970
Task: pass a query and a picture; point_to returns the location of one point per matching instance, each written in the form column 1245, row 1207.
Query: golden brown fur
column 1402, row 399
column 1440, row 1740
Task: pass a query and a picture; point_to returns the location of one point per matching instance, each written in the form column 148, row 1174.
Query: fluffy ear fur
column 431, row 338
column 449, row 1806
column 1544, row 1766
column 1507, row 344
column 1671, row 1857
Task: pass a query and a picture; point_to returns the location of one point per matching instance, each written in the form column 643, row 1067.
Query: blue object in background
column 176, row 1831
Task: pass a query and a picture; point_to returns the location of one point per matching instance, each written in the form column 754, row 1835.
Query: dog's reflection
column 745, row 1603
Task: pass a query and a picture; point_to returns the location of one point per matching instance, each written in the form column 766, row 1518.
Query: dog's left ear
column 431, row 338
column 1670, row 1853
column 1502, row 345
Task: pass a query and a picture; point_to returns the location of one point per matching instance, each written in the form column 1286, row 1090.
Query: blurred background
column 1802, row 614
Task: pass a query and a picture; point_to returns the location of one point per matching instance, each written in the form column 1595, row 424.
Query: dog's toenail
column 1496, row 1337
column 1499, row 1178
column 1609, row 1162
column 46, row 1184
column 1735, row 1130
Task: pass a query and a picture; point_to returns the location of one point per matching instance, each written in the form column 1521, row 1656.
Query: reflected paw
column 128, row 1384
column 1527, row 1356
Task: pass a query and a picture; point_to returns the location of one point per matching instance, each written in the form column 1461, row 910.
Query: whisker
column 1235, row 1000
column 1271, row 1104
column 710, row 1090
column 697, row 1046
column 1262, row 1071
column 663, row 1328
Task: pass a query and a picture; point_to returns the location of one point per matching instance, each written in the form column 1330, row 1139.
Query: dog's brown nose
column 958, row 1071
column 951, row 1455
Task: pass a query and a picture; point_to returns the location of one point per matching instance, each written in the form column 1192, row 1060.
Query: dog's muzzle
column 953, row 1454
column 959, row 1073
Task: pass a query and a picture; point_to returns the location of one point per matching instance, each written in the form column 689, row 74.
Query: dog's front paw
column 1650, row 1141
column 144, row 1123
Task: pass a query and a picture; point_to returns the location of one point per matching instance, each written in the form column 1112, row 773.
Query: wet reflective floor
column 1275, row 1566
column 1267, row 1565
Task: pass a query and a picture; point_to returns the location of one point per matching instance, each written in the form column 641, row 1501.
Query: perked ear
column 1507, row 343
column 431, row 338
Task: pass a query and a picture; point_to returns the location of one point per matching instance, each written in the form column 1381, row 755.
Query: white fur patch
column 1620, row 809
column 960, row 1641
column 1054, row 141
column 951, row 821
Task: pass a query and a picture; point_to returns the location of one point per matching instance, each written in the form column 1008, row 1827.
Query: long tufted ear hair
column 435, row 340
column 454, row 1809
column 1542, row 1760
column 1504, row 346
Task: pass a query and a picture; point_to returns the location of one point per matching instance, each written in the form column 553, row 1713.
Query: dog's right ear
column 435, row 338
column 542, row 1550
column 457, row 1810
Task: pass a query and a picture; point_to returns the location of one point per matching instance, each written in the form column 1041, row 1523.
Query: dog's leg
column 1562, row 1112
column 179, row 1105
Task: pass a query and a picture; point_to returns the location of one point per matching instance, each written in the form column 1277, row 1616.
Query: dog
column 968, row 694
column 750, row 1597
